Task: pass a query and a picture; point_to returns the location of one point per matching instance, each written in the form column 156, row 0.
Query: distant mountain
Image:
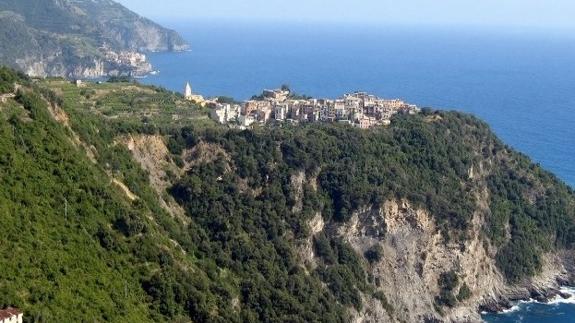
column 79, row 38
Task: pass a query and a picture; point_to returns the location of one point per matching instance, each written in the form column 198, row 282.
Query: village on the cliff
column 358, row 109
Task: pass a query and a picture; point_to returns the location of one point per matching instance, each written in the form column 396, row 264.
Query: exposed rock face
column 414, row 257
column 305, row 249
column 204, row 153
column 297, row 182
column 373, row 311
column 79, row 39
column 153, row 156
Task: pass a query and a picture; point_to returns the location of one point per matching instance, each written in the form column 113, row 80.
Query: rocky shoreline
column 544, row 296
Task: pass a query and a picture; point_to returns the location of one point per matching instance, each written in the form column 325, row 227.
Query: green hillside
column 78, row 246
column 73, row 246
column 100, row 21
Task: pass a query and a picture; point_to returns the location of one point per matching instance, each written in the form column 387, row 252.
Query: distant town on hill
column 358, row 109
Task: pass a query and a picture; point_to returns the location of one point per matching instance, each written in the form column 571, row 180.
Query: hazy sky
column 535, row 13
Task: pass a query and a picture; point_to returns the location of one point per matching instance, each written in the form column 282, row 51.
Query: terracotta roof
column 9, row 312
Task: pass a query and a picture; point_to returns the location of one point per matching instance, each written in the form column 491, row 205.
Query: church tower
column 189, row 96
column 188, row 91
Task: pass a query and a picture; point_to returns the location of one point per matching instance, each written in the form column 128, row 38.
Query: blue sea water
column 557, row 311
column 536, row 313
column 522, row 82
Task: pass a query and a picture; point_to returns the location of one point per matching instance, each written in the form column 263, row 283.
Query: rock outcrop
column 151, row 153
column 415, row 256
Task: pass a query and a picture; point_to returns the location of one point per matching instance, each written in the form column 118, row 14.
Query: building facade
column 11, row 315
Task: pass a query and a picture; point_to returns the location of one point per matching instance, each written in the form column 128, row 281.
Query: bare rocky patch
column 205, row 153
column 153, row 156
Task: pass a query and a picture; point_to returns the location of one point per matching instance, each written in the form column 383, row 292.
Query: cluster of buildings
column 130, row 63
column 358, row 109
column 126, row 57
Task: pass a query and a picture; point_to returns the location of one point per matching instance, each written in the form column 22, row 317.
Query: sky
column 524, row 13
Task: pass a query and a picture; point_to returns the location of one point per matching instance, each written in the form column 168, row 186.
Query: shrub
column 374, row 254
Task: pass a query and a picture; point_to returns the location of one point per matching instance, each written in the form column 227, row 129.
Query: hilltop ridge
column 79, row 38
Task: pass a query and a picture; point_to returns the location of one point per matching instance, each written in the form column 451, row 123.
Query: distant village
column 357, row 109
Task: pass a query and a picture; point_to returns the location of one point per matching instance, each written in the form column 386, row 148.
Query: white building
column 341, row 112
column 280, row 112
column 188, row 90
column 224, row 113
column 219, row 115
column 353, row 103
column 277, row 95
column 327, row 113
column 11, row 315
column 246, row 121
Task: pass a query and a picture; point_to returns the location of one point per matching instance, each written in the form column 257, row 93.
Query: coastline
column 563, row 295
column 555, row 284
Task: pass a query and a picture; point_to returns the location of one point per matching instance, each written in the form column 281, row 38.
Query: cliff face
column 79, row 38
column 414, row 256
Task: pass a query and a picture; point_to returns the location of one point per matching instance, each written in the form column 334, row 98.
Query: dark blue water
column 536, row 313
column 557, row 311
column 522, row 82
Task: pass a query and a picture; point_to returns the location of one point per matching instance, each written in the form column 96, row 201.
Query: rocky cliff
column 79, row 39
column 413, row 256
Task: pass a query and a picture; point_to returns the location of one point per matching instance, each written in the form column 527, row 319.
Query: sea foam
column 558, row 299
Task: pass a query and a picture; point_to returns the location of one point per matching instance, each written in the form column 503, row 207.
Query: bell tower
column 188, row 91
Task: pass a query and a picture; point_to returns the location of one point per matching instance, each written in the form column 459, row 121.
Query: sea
column 558, row 310
column 520, row 80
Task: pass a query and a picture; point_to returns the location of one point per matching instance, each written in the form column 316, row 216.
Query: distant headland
column 80, row 39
